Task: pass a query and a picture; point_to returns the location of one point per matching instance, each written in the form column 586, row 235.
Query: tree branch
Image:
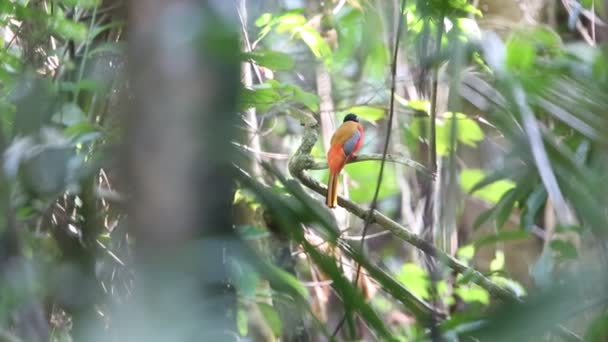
column 302, row 160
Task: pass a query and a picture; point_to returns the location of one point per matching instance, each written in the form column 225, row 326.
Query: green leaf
column 473, row 293
column 415, row 279
column 241, row 322
column 469, row 178
column 310, row 100
column 420, row 105
column 291, row 21
column 464, row 6
column 498, row 263
column 262, row 97
column 249, row 232
column 466, row 253
column 271, row 59
column 502, row 236
column 272, row 318
column 81, row 3
column 263, row 20
column 80, row 128
column 598, row 329
column 376, row 62
column 366, row 112
column 68, row 29
column 315, row 42
column 564, row 249
column 363, row 177
column 484, row 217
column 468, row 131
column 542, row 269
column 534, row 203
column 521, row 53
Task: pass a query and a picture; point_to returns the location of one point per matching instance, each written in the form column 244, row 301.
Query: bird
column 345, row 142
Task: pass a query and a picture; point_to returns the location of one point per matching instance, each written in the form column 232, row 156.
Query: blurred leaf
column 69, row 114
column 521, row 53
column 468, row 131
column 498, row 263
column 315, row 42
column 362, row 175
column 598, row 329
column 542, row 269
column 271, row 59
column 415, row 279
column 31, row 115
column 245, row 279
column 464, row 6
column 272, row 93
column 484, row 217
column 241, row 322
column 564, row 249
column 249, row 232
column 471, row 179
column 466, row 253
column 271, row 316
column 68, row 29
column 262, row 97
column 534, row 203
column 81, row 3
column 289, row 21
column 473, row 293
column 310, row 100
column 263, row 20
column 420, row 105
column 376, row 63
column 366, row 112
column 80, row 129
column 502, row 236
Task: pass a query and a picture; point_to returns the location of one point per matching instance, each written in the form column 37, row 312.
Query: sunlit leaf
column 315, row 42
column 241, row 322
column 272, row 318
column 290, row 21
column 492, row 192
column 263, row 20
column 466, row 253
column 473, row 293
column 498, row 263
column 366, row 112
column 363, row 177
column 415, row 279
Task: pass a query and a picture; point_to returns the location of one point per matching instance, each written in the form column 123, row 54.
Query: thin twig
column 370, row 213
column 321, row 165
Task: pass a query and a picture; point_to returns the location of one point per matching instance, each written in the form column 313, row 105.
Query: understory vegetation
column 164, row 170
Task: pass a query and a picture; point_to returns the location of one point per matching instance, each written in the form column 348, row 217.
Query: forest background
column 163, row 170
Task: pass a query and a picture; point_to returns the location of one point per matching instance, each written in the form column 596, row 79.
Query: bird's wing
column 351, row 143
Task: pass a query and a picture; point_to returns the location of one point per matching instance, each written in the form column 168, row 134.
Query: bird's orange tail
column 332, row 190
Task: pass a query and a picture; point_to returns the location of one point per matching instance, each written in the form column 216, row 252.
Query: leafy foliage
column 522, row 130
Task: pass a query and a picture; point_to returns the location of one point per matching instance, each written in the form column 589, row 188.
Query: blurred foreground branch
column 303, row 161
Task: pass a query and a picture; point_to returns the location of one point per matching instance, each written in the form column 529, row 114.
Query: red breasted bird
column 345, row 142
